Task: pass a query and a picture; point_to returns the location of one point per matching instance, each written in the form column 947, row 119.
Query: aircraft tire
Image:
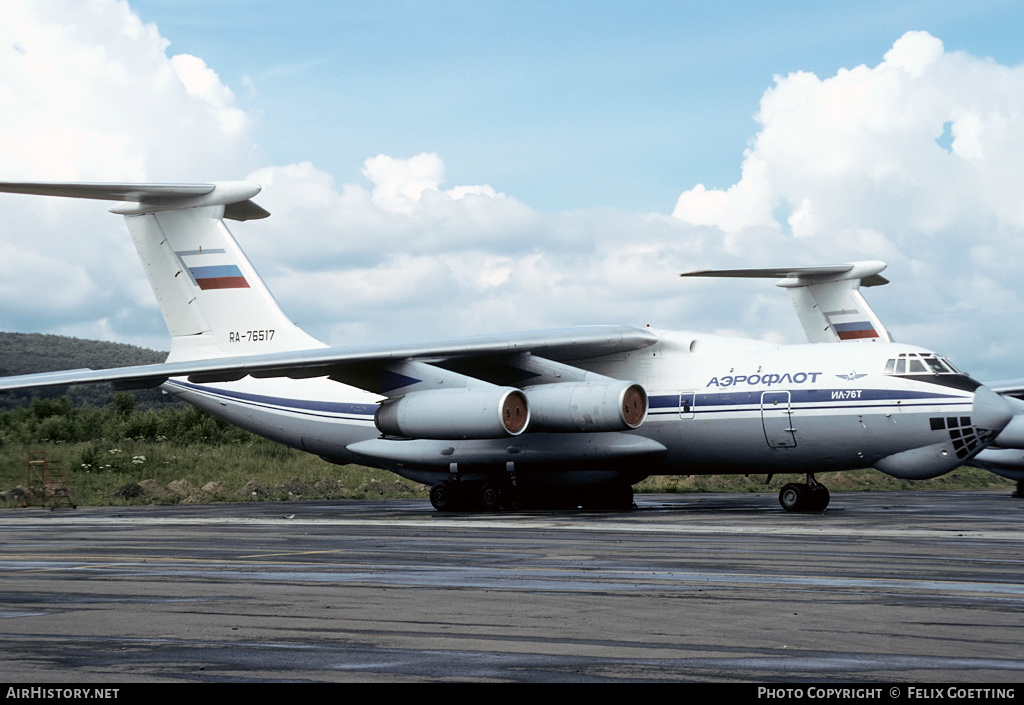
column 615, row 497
column 819, row 498
column 798, row 497
column 624, row 498
column 444, row 496
column 1020, row 488
column 793, row 497
column 489, row 497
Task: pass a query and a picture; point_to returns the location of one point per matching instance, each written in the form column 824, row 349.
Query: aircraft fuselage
column 716, row 405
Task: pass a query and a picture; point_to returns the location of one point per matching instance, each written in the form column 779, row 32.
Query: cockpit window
column 918, row 364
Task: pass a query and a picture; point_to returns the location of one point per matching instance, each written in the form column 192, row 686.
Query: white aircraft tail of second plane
column 827, row 298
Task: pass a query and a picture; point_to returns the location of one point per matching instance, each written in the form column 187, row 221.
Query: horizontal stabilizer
column 827, row 298
column 867, row 272
column 149, row 198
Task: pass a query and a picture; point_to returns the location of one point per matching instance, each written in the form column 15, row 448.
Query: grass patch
column 138, row 472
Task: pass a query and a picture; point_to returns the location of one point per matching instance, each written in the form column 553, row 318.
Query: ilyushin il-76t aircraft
column 568, row 417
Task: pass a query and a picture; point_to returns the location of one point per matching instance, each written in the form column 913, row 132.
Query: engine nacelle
column 473, row 412
column 1012, row 436
column 1008, row 462
column 617, row 405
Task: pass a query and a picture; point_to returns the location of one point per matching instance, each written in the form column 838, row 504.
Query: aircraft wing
column 1008, row 387
column 349, row 363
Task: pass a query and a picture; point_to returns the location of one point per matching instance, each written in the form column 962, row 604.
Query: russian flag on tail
column 224, row 276
column 853, row 331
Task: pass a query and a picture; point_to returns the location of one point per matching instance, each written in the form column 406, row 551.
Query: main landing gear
column 800, row 497
column 457, row 496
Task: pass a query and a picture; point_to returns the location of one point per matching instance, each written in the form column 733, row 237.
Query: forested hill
column 25, row 353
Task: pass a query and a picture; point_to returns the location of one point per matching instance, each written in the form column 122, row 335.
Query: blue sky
column 562, row 105
column 437, row 169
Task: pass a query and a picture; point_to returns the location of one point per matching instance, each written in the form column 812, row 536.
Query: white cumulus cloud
column 915, row 160
column 89, row 93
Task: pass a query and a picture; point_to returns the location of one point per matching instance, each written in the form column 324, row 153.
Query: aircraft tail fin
column 212, row 300
column 827, row 298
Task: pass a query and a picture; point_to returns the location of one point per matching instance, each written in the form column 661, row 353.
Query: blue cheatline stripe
column 859, row 408
column 659, row 405
column 321, row 408
column 803, row 401
column 798, row 396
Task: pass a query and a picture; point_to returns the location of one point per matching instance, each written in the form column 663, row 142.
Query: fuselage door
column 687, row 400
column 777, row 419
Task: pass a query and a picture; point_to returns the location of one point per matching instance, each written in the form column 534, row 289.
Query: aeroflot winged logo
column 851, row 376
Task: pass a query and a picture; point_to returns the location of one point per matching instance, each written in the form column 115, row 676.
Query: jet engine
column 474, row 412
column 586, row 406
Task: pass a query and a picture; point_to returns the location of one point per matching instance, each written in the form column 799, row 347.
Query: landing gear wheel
column 614, row 497
column 798, row 497
column 626, row 498
column 489, row 497
column 819, row 498
column 444, row 496
column 1020, row 488
column 792, row 497
column 621, row 498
